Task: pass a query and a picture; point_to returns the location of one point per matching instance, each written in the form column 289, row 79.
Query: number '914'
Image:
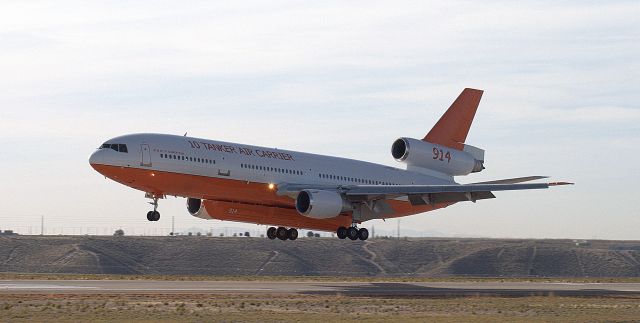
column 438, row 154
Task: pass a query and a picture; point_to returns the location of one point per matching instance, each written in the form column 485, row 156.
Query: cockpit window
column 117, row 147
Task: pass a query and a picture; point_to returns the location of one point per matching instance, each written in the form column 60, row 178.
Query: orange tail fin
column 453, row 127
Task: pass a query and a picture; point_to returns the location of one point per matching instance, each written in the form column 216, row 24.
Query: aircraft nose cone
column 94, row 158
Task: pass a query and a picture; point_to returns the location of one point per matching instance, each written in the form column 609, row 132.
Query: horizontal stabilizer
column 514, row 180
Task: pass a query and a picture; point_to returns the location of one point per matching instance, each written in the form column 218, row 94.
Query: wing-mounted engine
column 442, row 159
column 320, row 204
column 197, row 209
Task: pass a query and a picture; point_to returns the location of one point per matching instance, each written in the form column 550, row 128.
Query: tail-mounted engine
column 438, row 158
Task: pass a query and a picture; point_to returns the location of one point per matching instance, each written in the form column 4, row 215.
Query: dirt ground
column 297, row 308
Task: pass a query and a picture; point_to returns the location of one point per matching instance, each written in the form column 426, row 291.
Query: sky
column 561, row 81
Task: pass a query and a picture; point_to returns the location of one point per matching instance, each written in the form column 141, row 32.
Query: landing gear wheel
column 282, row 233
column 341, row 232
column 352, row 233
column 271, row 233
column 153, row 215
column 292, row 234
column 363, row 234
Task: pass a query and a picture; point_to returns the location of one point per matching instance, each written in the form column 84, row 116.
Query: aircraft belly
column 268, row 215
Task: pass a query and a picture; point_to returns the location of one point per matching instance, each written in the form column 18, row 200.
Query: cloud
column 312, row 76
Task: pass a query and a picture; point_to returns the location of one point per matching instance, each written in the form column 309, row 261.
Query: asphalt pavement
column 430, row 289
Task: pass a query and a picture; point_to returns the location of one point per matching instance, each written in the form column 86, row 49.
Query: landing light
column 272, row 186
column 153, row 174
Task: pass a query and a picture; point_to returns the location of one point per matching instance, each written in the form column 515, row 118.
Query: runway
column 431, row 289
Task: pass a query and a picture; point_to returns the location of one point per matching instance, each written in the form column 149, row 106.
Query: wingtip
column 560, row 183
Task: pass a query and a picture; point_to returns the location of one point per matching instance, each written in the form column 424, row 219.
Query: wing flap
column 435, row 198
column 429, row 189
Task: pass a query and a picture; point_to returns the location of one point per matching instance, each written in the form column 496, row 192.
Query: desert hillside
column 318, row 257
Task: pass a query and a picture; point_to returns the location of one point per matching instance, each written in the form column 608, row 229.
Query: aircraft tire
column 282, row 233
column 156, row 216
column 292, row 234
column 271, row 233
column 352, row 233
column 341, row 233
column 363, row 234
column 150, row 215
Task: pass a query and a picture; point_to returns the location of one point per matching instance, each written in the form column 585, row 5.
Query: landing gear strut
column 282, row 233
column 352, row 233
column 154, row 215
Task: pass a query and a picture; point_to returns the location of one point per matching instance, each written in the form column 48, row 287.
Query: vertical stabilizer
column 452, row 128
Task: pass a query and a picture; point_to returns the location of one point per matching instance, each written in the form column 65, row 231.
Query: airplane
column 290, row 190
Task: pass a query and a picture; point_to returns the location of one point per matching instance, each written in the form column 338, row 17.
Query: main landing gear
column 282, row 233
column 154, row 215
column 352, row 233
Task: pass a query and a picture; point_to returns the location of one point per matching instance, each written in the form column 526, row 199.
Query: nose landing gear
column 154, row 215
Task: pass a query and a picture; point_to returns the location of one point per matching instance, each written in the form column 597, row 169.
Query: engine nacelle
column 197, row 209
column 438, row 158
column 319, row 204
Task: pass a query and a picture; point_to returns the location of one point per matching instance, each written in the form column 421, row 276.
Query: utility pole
column 398, row 229
column 173, row 225
column 42, row 225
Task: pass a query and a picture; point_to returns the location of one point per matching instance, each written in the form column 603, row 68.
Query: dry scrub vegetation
column 292, row 308
column 386, row 258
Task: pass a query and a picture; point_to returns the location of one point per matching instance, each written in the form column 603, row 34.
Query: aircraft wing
column 419, row 194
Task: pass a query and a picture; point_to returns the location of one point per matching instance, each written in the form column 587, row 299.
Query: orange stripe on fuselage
column 254, row 202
